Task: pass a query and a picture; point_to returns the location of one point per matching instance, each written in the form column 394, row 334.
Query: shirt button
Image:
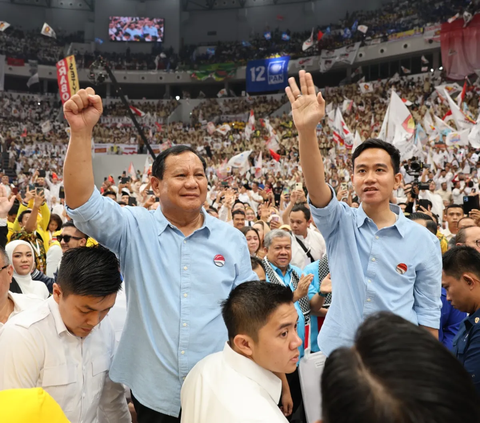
column 185, row 295
column 183, row 352
column 368, row 299
column 373, row 258
column 185, row 268
column 185, row 242
column 184, row 325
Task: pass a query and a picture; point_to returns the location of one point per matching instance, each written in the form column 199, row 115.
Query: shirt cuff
column 3, row 222
column 324, row 211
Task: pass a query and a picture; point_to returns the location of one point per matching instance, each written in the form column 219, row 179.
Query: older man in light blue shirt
column 179, row 263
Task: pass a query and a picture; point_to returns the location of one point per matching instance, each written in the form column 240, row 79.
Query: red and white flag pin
column 401, row 268
column 219, row 260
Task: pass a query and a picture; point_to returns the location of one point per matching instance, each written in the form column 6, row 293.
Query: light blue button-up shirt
column 313, row 289
column 174, row 290
column 287, row 280
column 397, row 269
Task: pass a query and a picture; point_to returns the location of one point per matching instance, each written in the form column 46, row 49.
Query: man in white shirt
column 435, row 199
column 457, row 193
column 453, row 215
column 308, row 244
column 445, row 193
column 239, row 384
column 11, row 303
column 65, row 346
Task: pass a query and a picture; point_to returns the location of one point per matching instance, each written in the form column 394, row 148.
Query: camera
column 415, row 169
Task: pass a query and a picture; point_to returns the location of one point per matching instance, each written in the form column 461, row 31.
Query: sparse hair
column 158, row 167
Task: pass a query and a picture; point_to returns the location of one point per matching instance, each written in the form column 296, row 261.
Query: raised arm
column 308, row 109
column 82, row 112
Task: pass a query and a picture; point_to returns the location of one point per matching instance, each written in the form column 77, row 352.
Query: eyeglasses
column 67, row 238
column 4, row 267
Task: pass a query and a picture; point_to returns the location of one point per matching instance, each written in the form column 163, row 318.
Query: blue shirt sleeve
column 472, row 358
column 450, row 322
column 328, row 218
column 427, row 289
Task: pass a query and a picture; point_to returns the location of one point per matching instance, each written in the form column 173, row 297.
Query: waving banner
column 67, row 78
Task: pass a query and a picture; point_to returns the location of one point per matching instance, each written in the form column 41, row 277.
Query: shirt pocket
column 100, row 367
column 61, row 383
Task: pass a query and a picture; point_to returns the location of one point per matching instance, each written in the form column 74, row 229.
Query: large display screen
column 150, row 30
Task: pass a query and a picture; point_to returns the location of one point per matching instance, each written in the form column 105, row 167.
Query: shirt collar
column 473, row 319
column 59, row 325
column 279, row 272
column 163, row 222
column 251, row 370
column 399, row 224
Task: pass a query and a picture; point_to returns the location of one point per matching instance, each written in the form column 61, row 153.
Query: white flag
column 457, row 138
column 222, row 93
column 250, row 126
column 428, row 124
column 240, row 161
column 224, row 129
column 363, row 28
column 258, row 166
column 4, row 25
column 356, row 141
column 461, row 120
column 474, row 136
column 46, row 127
column 308, row 43
column 48, row 31
column 34, row 79
column 425, row 60
column 131, row 171
column 272, row 144
column 211, row 128
column 366, row 87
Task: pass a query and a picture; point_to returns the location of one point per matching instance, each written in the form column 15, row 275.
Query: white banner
column 124, row 120
column 2, row 72
column 347, row 55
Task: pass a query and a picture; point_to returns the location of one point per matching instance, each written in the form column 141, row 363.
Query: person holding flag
column 393, row 264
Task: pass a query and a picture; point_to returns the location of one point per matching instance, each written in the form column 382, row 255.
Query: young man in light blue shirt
column 378, row 259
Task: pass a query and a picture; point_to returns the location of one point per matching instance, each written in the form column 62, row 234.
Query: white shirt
column 37, row 350
column 227, row 387
column 457, row 196
column 314, row 242
column 21, row 302
column 437, row 203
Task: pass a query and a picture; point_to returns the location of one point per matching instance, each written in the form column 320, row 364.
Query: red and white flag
column 131, row 171
column 48, row 31
column 462, row 94
column 250, row 126
column 224, row 129
column 211, row 128
column 308, row 43
column 258, row 166
column 138, row 112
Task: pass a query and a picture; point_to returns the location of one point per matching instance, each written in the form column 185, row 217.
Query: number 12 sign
column 267, row 74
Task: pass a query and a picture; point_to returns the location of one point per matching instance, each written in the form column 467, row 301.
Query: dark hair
column 256, row 263
column 248, row 229
column 249, row 305
column 22, row 214
column 122, row 203
column 461, row 259
column 466, row 217
column 13, row 211
column 57, row 219
column 396, row 372
column 70, row 224
column 110, row 192
column 302, row 208
column 453, row 206
column 158, row 167
column 89, row 271
column 376, row 143
column 432, row 226
column 419, row 216
column 238, row 212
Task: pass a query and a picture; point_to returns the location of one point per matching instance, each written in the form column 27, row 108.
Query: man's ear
column 244, row 345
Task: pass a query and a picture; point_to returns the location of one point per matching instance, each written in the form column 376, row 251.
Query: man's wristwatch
column 322, row 294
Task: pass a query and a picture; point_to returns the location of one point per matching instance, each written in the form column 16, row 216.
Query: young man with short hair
column 64, row 346
column 378, row 259
column 454, row 214
column 239, row 384
column 461, row 280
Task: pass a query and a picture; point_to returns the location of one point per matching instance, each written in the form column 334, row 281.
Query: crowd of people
column 393, row 17
column 336, row 236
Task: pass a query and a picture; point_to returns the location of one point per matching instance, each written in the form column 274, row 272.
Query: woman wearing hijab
column 21, row 256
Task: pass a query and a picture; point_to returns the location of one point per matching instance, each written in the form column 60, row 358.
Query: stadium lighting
column 177, row 97
column 440, row 68
column 431, row 70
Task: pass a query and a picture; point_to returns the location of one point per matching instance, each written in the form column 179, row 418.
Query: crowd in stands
column 392, row 17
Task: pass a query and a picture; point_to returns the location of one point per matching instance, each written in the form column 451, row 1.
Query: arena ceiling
column 189, row 5
column 59, row 4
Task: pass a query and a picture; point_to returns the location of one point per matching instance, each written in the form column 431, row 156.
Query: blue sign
column 268, row 35
column 285, row 37
column 267, row 75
